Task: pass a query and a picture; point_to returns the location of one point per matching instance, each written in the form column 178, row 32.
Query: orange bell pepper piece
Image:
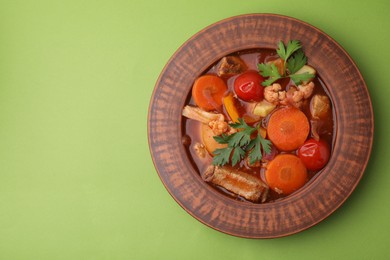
column 229, row 103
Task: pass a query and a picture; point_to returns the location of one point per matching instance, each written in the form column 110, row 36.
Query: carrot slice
column 288, row 128
column 286, row 174
column 208, row 91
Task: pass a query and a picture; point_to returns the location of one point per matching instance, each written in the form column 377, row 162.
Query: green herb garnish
column 298, row 78
column 292, row 47
column 296, row 62
column 293, row 60
column 240, row 144
column 269, row 70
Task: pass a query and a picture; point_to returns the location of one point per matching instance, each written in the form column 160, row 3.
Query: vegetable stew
column 259, row 123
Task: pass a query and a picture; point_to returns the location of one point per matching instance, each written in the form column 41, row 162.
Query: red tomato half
column 248, row 86
column 314, row 154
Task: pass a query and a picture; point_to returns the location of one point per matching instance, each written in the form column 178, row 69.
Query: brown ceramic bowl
column 353, row 133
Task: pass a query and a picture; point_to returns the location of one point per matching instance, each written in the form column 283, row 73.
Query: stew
column 259, row 123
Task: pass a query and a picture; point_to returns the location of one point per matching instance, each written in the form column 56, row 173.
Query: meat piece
column 319, row 106
column 238, row 182
column 231, row 65
column 319, row 109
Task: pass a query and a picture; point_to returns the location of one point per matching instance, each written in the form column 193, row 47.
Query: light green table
column 76, row 177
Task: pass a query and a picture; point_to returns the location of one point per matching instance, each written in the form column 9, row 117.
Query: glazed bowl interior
column 352, row 138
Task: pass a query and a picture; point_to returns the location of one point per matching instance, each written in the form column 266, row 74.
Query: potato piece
column 208, row 140
column 263, row 108
column 308, row 69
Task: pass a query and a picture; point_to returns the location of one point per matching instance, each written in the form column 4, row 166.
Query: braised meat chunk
column 238, row 182
column 231, row 65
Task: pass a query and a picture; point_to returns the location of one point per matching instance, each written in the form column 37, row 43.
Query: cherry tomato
column 248, row 86
column 314, row 154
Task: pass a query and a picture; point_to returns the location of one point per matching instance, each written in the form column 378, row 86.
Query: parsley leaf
column 281, row 51
column 240, row 138
column 296, row 62
column 222, row 139
column 292, row 47
column 293, row 58
column 269, row 70
column 222, row 156
column 255, row 150
column 238, row 155
column 256, row 146
column 298, row 78
column 240, row 144
column 240, row 124
column 266, row 144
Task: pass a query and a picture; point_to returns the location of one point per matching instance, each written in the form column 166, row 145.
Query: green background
column 76, row 176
